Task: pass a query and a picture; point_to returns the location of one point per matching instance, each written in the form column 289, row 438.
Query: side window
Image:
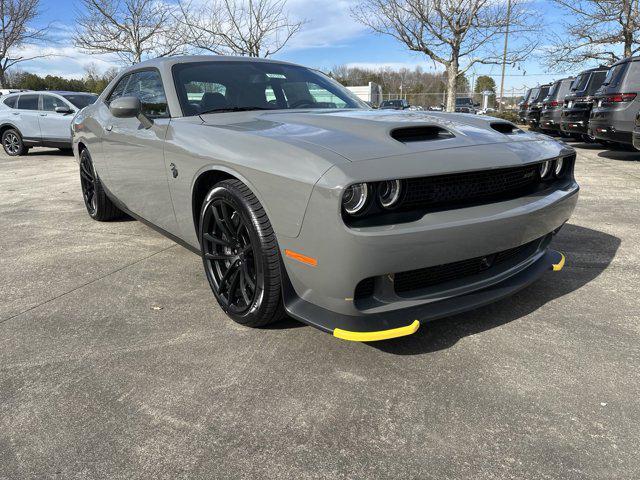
column 11, row 102
column 147, row 86
column 118, row 91
column 28, row 102
column 49, row 103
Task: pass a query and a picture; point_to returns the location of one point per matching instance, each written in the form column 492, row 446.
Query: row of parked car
column 599, row 105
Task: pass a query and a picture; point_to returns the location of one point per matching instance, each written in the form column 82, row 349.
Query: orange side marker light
column 301, row 258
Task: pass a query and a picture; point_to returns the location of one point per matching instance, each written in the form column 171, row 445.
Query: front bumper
column 327, row 261
column 398, row 323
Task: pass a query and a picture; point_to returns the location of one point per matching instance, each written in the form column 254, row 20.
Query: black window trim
column 129, row 73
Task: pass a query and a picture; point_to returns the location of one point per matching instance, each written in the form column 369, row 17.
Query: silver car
column 39, row 119
column 302, row 200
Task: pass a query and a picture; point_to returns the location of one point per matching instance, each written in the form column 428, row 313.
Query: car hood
column 366, row 134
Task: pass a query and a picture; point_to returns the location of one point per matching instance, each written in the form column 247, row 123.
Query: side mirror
column 63, row 110
column 129, row 107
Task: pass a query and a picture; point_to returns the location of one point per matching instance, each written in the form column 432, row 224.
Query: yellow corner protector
column 375, row 336
column 558, row 266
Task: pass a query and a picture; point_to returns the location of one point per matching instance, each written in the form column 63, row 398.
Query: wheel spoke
column 243, row 287
column 218, row 241
column 247, row 277
column 232, row 268
column 221, row 224
column 85, row 176
column 233, row 285
column 214, row 256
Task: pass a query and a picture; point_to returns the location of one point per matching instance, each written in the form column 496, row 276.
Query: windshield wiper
column 235, row 109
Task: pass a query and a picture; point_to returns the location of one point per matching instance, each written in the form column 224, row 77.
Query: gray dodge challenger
column 302, row 200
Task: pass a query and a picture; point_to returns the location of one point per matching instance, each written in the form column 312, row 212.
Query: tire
column 239, row 249
column 99, row 206
column 13, row 144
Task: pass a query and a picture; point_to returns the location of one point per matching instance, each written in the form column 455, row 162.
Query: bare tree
column 17, row 17
column 456, row 34
column 132, row 29
column 599, row 31
column 255, row 28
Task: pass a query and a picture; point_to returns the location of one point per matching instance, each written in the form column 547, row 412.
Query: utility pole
column 504, row 55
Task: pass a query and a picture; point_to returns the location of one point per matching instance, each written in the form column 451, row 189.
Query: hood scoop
column 420, row 134
column 506, row 128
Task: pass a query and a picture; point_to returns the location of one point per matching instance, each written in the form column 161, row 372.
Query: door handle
column 43, row 114
column 109, row 128
column 15, row 113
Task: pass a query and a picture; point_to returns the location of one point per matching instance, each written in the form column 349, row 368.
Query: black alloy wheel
column 230, row 257
column 99, row 206
column 240, row 255
column 88, row 183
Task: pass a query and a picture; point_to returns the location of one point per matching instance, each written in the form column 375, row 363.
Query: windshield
column 391, row 103
column 209, row 87
column 81, row 101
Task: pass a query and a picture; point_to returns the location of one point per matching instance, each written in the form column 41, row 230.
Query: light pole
column 504, row 56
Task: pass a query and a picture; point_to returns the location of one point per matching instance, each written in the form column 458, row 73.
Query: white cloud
column 329, row 23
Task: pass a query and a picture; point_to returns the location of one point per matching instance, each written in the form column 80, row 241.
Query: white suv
column 39, row 119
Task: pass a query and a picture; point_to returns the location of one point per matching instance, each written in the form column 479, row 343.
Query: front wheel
column 240, row 255
column 13, row 144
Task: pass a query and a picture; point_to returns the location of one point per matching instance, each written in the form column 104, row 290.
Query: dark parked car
column 394, row 105
column 552, row 106
column 524, row 105
column 613, row 115
column 534, row 109
column 579, row 102
column 465, row 105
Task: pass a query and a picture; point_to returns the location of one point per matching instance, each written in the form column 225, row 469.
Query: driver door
column 135, row 155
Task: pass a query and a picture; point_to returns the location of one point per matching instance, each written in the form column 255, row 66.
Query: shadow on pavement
column 589, row 253
column 624, row 155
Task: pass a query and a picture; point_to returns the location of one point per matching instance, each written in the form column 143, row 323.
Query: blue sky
column 330, row 38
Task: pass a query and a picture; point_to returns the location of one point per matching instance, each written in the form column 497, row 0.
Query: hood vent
column 420, row 134
column 506, row 128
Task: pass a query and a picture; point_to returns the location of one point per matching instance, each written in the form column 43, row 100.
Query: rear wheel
column 98, row 205
column 13, row 144
column 240, row 255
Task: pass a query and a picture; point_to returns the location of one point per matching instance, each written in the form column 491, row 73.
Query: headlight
column 545, row 169
column 389, row 193
column 559, row 166
column 355, row 198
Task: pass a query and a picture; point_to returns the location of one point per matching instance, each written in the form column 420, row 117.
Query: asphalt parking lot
column 115, row 361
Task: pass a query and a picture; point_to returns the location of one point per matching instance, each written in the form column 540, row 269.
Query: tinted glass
column 10, row 101
column 255, row 85
column 615, row 75
column 580, row 83
column 147, row 86
column 28, row 102
column 119, row 88
column 81, row 101
column 49, row 103
column 595, row 82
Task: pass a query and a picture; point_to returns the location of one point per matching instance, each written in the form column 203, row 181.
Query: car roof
column 626, row 60
column 57, row 92
column 170, row 61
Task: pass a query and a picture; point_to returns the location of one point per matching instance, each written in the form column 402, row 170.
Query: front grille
column 471, row 187
column 439, row 274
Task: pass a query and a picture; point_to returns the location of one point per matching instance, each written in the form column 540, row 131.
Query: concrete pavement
column 115, row 361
